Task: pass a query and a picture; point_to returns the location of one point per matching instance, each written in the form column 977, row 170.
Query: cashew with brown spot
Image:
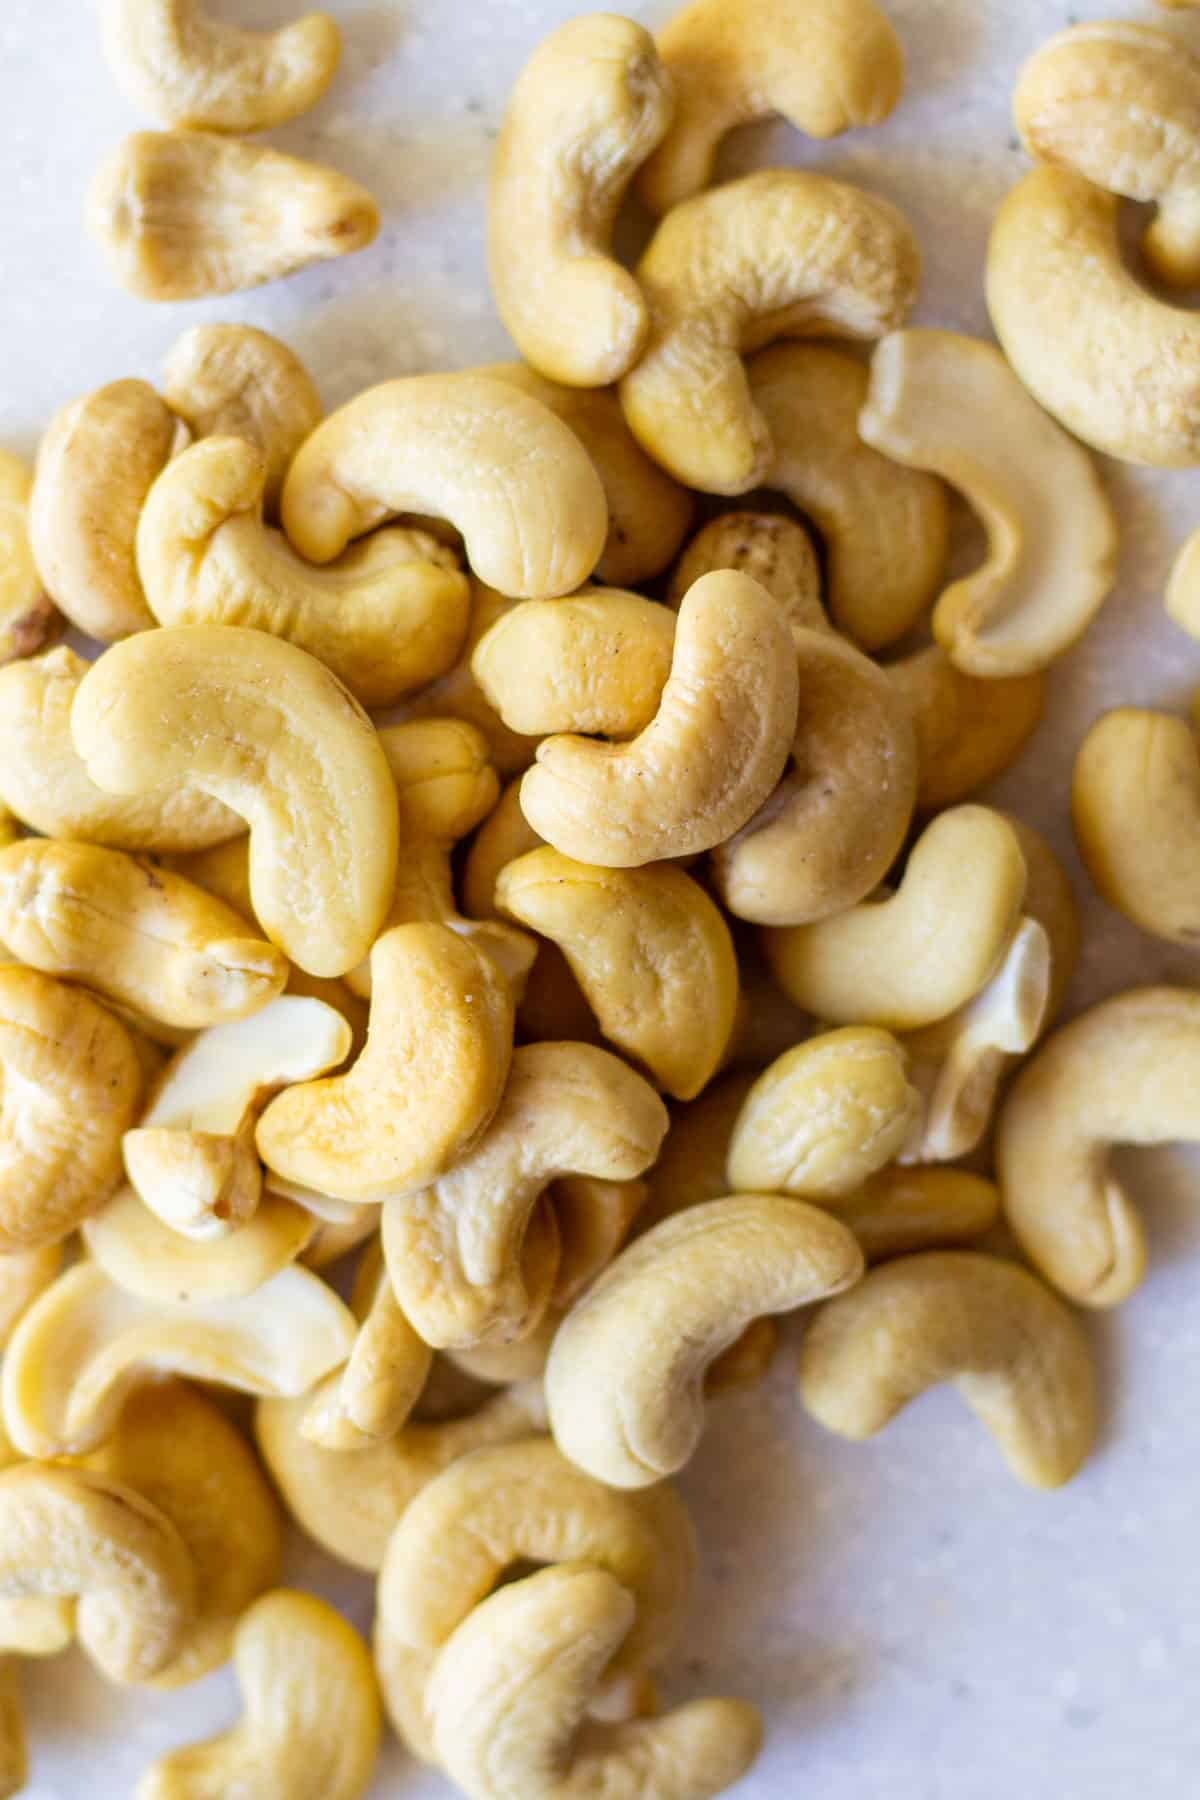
column 27, row 615
column 147, row 1258
column 372, row 1396
column 969, row 730
column 772, row 549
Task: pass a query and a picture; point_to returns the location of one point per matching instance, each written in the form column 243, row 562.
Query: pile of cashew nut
column 508, row 838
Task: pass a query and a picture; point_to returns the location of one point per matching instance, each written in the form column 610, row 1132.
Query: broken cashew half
column 27, row 616
column 372, row 1396
column 968, row 730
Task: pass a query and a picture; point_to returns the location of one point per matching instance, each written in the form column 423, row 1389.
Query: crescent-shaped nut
column 651, row 952
column 508, row 474
column 147, row 1258
column 706, row 762
column 70, row 1083
column 1059, row 296
column 968, row 730
column 826, row 68
column 589, row 106
column 84, row 1345
column 1015, row 1353
column 908, row 960
column 267, row 729
column 310, row 1720
column 1120, row 1073
column 951, row 404
column 24, row 1274
column 27, row 616
column 625, row 1380
column 837, row 821
column 772, row 549
column 372, row 1396
column 779, row 253
column 180, row 214
column 454, row 1251
column 188, row 70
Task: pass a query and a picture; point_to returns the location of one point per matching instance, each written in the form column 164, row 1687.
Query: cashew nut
column 503, row 836
column 147, row 1258
column 24, row 1274
column 458, row 695
column 1015, row 1353
column 773, row 550
column 372, row 1396
column 27, row 616
column 335, row 1238
column 1050, row 899
column 594, row 1219
column 968, row 730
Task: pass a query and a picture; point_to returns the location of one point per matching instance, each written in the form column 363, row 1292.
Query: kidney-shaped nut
column 772, row 549
column 1016, row 1354
column 26, row 615
column 968, row 730
column 922, row 953
column 141, row 1254
column 779, row 253
column 589, row 106
column 708, row 759
column 372, row 1396
column 951, row 404
column 267, row 729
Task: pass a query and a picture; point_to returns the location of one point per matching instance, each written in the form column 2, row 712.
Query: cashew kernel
column 773, row 550
column 968, row 730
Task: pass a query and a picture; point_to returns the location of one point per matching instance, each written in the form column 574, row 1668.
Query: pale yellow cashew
column 265, row 728
column 70, row 1083
column 84, row 1345
column 779, row 253
column 588, row 108
column 495, row 462
column 458, row 695
column 188, row 70
column 182, row 214
column 1182, row 598
column 335, row 1238
column 372, row 1396
column 968, row 730
column 24, row 1274
column 704, row 765
column 594, row 1219
column 774, row 550
column 1016, row 1354
column 827, row 67
column 14, row 1758
column 625, row 1379
column 510, row 1690
column 31, row 1624
column 503, row 836
column 147, row 1258
column 911, row 959
column 310, row 1721
column 27, row 616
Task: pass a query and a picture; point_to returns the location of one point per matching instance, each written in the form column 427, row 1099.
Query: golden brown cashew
column 188, row 70
column 778, row 253
column 468, row 448
column 706, row 762
column 145, row 1257
column 265, row 728
column 27, row 616
column 24, row 1274
column 1014, row 1352
column 775, row 551
column 310, row 1723
column 589, row 106
column 826, row 68
column 926, row 950
column 624, row 1384
column 968, row 730
column 372, row 1396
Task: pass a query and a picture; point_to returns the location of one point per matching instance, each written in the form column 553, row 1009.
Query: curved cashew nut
column 624, row 1384
column 772, row 549
column 468, row 448
column 925, row 951
column 310, row 1723
column 651, row 952
column 1015, row 1353
column 27, row 615
column 24, row 1274
column 706, row 762
column 264, row 727
column 825, row 68
column 589, row 106
column 779, row 253
column 147, row 1258
column 373, row 1395
column 189, row 70
column 968, row 730
column 836, row 823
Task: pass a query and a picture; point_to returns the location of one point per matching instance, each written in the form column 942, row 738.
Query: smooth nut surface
column 141, row 1254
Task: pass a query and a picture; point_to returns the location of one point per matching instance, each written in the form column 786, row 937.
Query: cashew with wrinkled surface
column 372, row 1396
column 27, row 615
column 147, row 1258
column 968, row 730
column 775, row 551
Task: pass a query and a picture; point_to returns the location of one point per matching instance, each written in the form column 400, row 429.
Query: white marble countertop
column 915, row 1625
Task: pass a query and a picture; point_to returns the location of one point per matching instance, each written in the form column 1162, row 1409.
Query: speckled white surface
column 915, row 1626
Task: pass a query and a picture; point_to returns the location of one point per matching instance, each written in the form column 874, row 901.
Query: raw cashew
column 310, row 1722
column 913, row 958
column 468, row 448
column 968, row 730
column 1015, row 1353
column 624, row 1384
column 372, row 1396
column 775, row 551
column 188, row 70
column 265, row 728
column 589, row 106
column 180, row 214
column 24, row 1274
column 458, row 695
column 706, row 762
column 27, row 616
column 826, row 68
column 147, row 1258
column 779, row 253
column 594, row 1219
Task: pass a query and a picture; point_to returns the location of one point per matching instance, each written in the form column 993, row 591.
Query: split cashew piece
column 1016, row 1354
column 707, row 761
column 1060, row 296
column 468, row 448
column 968, row 730
column 188, row 70
column 780, row 253
column 84, row 1345
column 147, row 1258
column 589, row 106
column 1122, row 1073
column 826, row 68
column 267, row 729
column 951, row 404
column 510, row 1690
column 651, row 952
column 460, row 1253
column 27, row 616
column 625, row 1380
column 372, row 1396
column 910, row 959
column 310, row 1724
column 775, row 551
